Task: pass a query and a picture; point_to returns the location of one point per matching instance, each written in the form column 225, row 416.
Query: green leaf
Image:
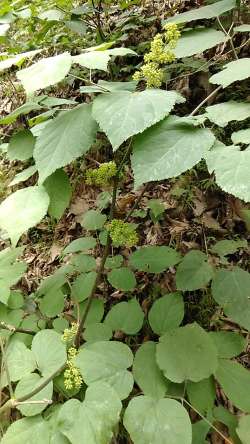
column 21, row 145
column 25, row 386
column 46, row 72
column 107, row 362
column 96, row 311
column 146, row 372
column 156, row 209
column 235, row 381
column 202, row 395
column 231, row 289
column 134, row 111
column 16, row 299
column 205, row 12
column 23, row 175
column 187, row 353
column 168, row 149
column 224, row 247
column 166, row 313
column 241, row 136
column 65, row 138
column 20, row 360
column 49, row 351
column 229, row 344
column 93, row 420
column 93, row 220
column 150, row 421
column 222, row 113
column 122, row 279
column 52, row 303
column 193, row 272
column 200, row 430
column 17, row 59
column 232, row 72
column 126, row 317
column 27, row 430
column 23, row 210
column 59, row 190
column 83, row 285
column 154, row 259
column 197, row 40
column 83, row 263
column 242, row 28
column 114, row 261
column 26, row 108
column 225, row 417
column 243, row 429
column 100, row 59
column 97, row 332
column 81, row 244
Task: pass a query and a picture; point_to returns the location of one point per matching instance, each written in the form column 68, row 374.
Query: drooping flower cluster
column 101, row 176
column 72, row 376
column 160, row 54
column 122, row 233
column 69, row 333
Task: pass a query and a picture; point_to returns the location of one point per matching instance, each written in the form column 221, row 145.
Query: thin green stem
column 11, row 328
column 6, row 368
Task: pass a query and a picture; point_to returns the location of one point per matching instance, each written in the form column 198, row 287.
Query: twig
column 215, row 91
column 137, row 201
column 106, row 250
column 229, row 37
column 4, row 326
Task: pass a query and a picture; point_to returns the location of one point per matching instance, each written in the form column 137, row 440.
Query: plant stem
column 205, row 100
column 77, row 340
column 137, row 201
column 12, row 403
column 4, row 326
column 229, row 37
column 6, row 367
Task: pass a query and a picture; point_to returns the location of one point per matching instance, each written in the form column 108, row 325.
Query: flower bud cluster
column 72, row 376
column 69, row 333
column 160, row 54
column 102, row 175
column 122, row 233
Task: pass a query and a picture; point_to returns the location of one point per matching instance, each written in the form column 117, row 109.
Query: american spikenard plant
column 78, row 354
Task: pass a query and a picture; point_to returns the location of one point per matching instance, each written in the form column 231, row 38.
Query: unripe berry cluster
column 122, row 233
column 102, row 175
column 72, row 376
column 160, row 54
column 69, row 333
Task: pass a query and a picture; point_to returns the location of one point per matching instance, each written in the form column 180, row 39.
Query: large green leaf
column 235, row 382
column 231, row 290
column 154, row 259
column 93, row 220
column 107, row 362
column 25, row 386
column 100, row 59
column 194, row 271
column 168, row 149
column 27, row 430
column 229, row 344
column 195, row 41
column 21, row 145
column 232, row 72
column 241, row 136
column 49, row 351
column 125, row 316
column 97, row 332
column 23, row 210
column 81, row 244
column 146, row 372
column 163, row 421
column 123, row 114
column 20, row 360
column 202, row 395
column 222, row 415
column 59, row 190
column 205, row 12
column 166, row 313
column 52, row 303
column 65, row 138
column 231, row 169
column 122, row 279
column 92, row 421
column 46, row 72
column 83, row 285
column 243, row 429
column 222, row 113
column 187, row 353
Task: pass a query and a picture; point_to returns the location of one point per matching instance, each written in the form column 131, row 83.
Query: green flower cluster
column 102, row 175
column 72, row 376
column 69, row 333
column 122, row 233
column 160, row 54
